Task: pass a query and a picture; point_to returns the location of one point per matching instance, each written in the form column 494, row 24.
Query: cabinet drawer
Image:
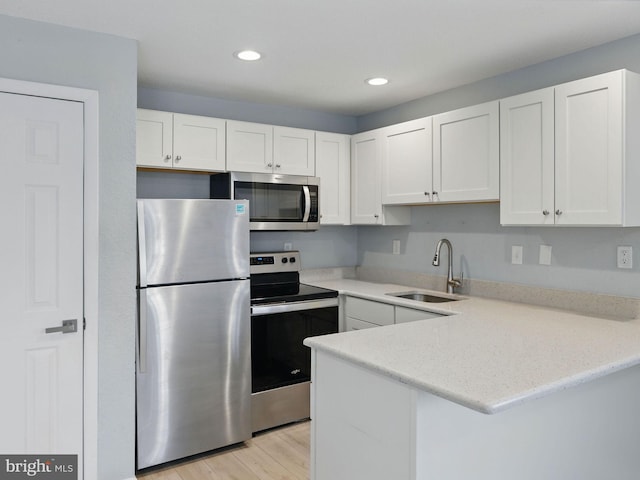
column 355, row 324
column 369, row 311
column 404, row 314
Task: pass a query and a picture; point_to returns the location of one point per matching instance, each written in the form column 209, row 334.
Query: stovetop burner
column 275, row 278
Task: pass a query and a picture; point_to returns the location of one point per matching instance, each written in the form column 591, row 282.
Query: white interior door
column 41, row 253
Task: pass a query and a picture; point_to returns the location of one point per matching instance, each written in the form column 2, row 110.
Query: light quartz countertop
column 487, row 355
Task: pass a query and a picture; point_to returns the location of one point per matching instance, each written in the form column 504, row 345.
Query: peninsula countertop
column 485, row 354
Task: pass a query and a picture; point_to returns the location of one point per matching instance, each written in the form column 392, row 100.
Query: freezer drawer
column 194, row 392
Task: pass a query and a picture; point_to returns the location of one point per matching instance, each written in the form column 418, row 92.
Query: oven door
column 280, row 363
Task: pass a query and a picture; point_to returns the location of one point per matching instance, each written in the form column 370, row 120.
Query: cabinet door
column 527, row 159
column 294, row 151
column 588, row 178
column 406, row 162
column 352, row 324
column 249, row 147
column 154, row 139
column 466, row 154
column 332, row 166
column 366, row 206
column 378, row 313
column 404, row 315
column 198, row 143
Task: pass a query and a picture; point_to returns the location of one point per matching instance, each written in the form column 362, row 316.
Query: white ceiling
column 318, row 53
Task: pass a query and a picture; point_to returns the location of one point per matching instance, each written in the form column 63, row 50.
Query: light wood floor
column 279, row 454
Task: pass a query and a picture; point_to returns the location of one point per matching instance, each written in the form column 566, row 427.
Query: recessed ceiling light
column 377, row 81
column 248, row 55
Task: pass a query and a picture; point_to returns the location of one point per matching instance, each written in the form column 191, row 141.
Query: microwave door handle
column 307, row 203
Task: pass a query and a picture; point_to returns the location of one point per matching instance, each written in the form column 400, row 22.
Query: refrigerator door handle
column 307, row 203
column 142, row 247
column 142, row 330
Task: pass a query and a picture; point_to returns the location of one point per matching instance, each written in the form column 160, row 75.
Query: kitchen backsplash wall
column 331, row 246
column 582, row 258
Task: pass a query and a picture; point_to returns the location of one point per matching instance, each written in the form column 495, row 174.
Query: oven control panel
column 274, row 262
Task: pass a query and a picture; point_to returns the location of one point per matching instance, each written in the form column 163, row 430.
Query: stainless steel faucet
column 451, row 282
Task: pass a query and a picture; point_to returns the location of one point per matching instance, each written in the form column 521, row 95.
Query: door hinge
column 84, row 324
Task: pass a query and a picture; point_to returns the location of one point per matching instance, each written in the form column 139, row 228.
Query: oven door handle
column 293, row 306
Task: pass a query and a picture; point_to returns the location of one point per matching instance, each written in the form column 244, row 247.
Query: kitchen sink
column 423, row 297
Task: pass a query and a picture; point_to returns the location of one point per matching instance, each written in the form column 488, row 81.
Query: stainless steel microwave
column 276, row 202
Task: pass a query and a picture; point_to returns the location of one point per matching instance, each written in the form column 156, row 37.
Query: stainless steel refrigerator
column 193, row 373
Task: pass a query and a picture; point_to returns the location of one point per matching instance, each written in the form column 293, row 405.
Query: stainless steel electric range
column 283, row 313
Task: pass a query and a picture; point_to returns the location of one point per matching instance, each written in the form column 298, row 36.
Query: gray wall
column 51, row 54
column 245, row 111
column 583, row 258
column 604, row 58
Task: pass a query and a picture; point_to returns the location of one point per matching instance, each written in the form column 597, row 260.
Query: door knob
column 68, row 326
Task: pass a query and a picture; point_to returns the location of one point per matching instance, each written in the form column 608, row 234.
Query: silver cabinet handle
column 277, row 165
column 178, row 158
column 168, row 157
column 427, row 194
column 68, row 326
column 270, row 165
column 545, row 212
column 558, row 212
column 375, row 215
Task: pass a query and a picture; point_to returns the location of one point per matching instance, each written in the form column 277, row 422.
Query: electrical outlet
column 396, row 247
column 545, row 255
column 516, row 254
column 625, row 256
column 288, row 246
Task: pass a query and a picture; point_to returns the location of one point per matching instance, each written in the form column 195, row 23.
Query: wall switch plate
column 396, row 247
column 545, row 255
column 625, row 256
column 516, row 254
column 288, row 246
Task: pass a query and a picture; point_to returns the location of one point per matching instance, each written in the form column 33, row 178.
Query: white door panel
column 41, row 253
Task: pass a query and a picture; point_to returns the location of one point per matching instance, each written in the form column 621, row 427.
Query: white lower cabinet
column 368, row 312
column 367, row 424
column 361, row 313
column 404, row 314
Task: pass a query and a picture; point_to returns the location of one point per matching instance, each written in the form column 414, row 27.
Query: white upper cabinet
column 178, row 141
column 333, row 168
column 466, row 154
column 366, row 200
column 366, row 205
column 294, row 151
column 589, row 177
column 589, row 151
column 261, row 148
column 407, row 162
column 527, row 158
column 249, row 147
